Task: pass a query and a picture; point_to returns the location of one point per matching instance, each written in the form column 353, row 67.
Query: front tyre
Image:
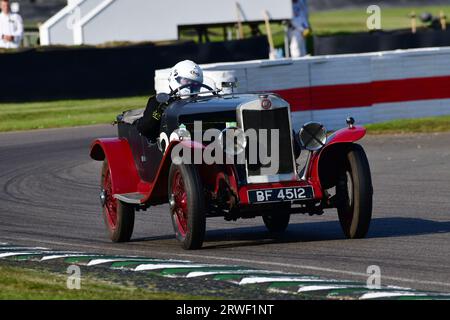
column 187, row 205
column 118, row 216
column 354, row 192
column 277, row 219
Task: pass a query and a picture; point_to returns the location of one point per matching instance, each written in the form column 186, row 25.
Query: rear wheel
column 118, row 216
column 354, row 192
column 277, row 218
column 187, row 205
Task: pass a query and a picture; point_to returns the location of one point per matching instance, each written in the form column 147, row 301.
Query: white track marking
column 23, row 248
column 313, row 268
column 38, row 253
column 96, row 262
column 59, row 256
column 321, row 288
column 13, row 254
column 378, row 295
column 254, row 280
column 252, row 262
column 144, row 267
column 278, row 290
column 243, row 272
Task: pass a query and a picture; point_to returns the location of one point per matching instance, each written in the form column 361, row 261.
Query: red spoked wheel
column 187, row 205
column 180, row 212
column 110, row 204
column 118, row 216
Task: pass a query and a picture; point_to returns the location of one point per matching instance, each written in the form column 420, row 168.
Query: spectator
column 431, row 21
column 299, row 28
column 11, row 27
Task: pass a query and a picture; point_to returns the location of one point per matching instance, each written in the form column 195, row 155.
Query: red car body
column 325, row 169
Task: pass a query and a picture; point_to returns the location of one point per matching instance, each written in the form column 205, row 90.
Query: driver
column 186, row 78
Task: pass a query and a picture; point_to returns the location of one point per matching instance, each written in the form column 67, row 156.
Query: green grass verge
column 329, row 22
column 26, row 284
column 67, row 113
column 341, row 22
column 70, row 113
column 423, row 125
column 354, row 20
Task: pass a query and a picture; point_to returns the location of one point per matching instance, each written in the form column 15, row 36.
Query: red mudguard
column 125, row 177
column 347, row 135
column 343, row 136
column 117, row 152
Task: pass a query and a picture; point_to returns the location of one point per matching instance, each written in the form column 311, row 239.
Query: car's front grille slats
column 267, row 121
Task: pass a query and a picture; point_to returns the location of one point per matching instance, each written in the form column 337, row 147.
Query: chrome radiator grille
column 274, row 119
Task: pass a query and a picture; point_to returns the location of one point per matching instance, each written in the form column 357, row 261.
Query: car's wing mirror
column 229, row 84
column 162, row 97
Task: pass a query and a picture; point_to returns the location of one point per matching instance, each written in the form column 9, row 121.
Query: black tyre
column 277, row 219
column 354, row 192
column 118, row 216
column 187, row 205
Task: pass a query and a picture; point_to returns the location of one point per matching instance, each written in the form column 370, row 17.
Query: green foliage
column 68, row 113
column 423, row 125
column 354, row 20
column 335, row 22
column 27, row 284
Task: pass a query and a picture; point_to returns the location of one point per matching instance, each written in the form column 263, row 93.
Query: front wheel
column 187, row 205
column 118, row 216
column 354, row 192
column 277, row 218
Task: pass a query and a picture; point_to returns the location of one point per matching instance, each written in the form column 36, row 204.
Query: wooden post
column 443, row 20
column 269, row 34
column 413, row 22
column 239, row 21
column 287, row 48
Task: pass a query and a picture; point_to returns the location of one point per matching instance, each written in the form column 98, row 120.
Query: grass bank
column 27, row 284
column 67, row 113
column 341, row 21
column 70, row 113
column 422, row 125
column 354, row 20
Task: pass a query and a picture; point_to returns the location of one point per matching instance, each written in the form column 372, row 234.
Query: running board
column 131, row 198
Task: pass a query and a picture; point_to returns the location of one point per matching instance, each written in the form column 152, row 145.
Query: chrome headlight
column 313, row 136
column 180, row 134
column 232, row 141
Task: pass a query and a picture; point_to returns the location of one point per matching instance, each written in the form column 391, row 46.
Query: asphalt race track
column 49, row 197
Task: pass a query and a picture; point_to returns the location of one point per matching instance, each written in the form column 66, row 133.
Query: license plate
column 280, row 194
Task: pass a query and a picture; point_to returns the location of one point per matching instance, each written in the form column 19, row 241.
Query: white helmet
column 186, row 73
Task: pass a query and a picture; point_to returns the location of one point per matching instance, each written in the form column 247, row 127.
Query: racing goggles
column 195, row 86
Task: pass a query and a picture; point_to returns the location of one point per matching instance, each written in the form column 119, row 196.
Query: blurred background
column 110, row 49
column 327, row 17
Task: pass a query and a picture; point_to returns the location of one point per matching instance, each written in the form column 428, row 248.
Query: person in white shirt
column 11, row 27
column 299, row 29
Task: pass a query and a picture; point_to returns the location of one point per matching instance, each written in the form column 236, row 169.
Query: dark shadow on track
column 155, row 238
column 399, row 227
column 312, row 232
column 323, row 231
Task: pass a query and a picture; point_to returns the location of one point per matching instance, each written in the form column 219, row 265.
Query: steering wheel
column 214, row 92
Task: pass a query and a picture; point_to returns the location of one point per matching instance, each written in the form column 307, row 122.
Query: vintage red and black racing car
column 138, row 174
